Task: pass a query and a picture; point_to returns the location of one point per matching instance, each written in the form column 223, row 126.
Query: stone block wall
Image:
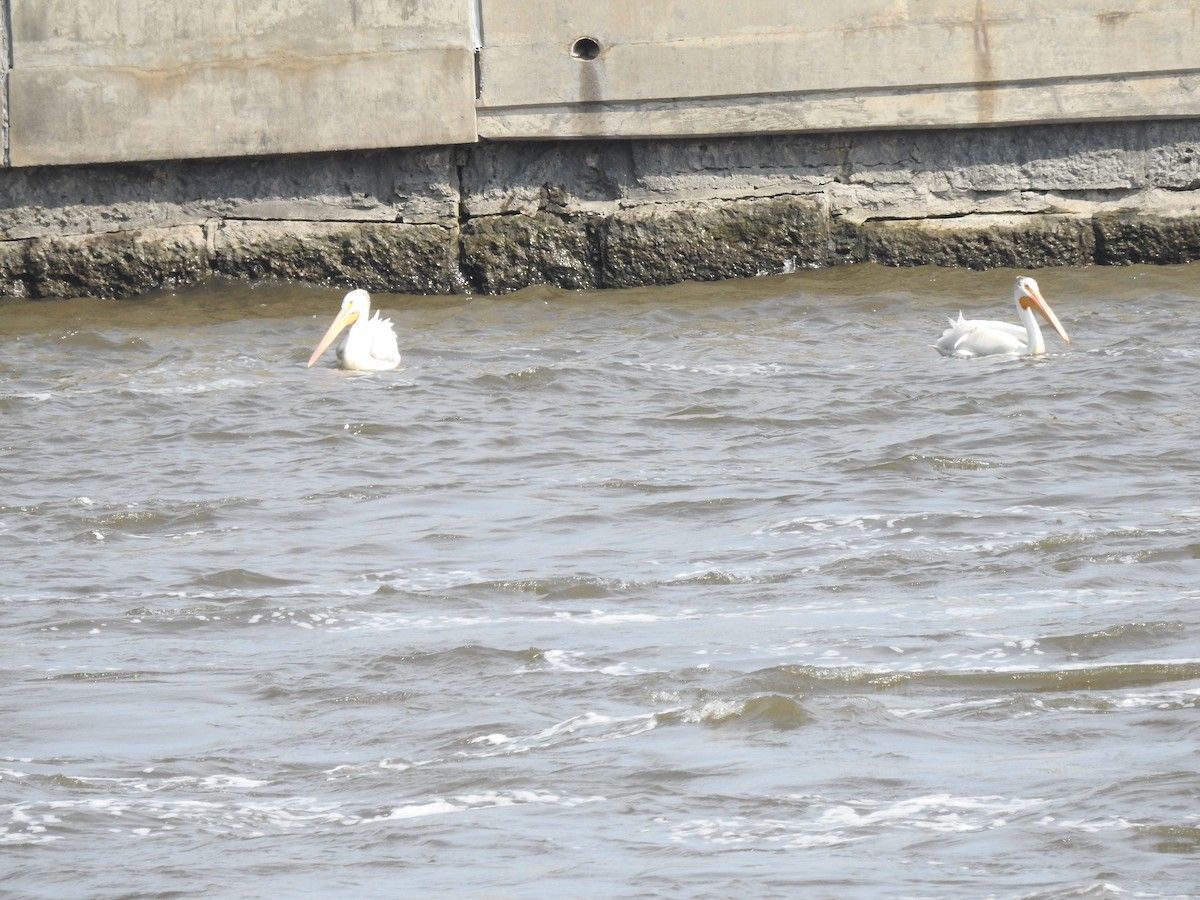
column 496, row 217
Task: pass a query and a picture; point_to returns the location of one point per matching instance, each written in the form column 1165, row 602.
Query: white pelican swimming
column 979, row 337
column 370, row 343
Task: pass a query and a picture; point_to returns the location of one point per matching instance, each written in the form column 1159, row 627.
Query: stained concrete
column 128, row 80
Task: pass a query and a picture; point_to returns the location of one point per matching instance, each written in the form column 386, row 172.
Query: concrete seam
column 476, row 17
column 458, row 252
column 7, row 50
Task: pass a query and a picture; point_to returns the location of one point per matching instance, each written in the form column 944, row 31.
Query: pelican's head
column 1027, row 296
column 355, row 305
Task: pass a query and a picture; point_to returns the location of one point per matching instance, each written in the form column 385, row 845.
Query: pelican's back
column 383, row 342
column 980, row 337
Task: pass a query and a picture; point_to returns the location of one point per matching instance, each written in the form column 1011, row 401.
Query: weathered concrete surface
column 977, row 241
column 15, row 280
column 1126, row 237
column 411, row 259
column 125, row 80
column 706, row 67
column 706, row 242
column 493, row 218
column 412, row 186
column 502, row 253
column 117, row 263
column 91, row 81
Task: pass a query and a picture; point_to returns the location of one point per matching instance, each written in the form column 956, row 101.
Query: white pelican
column 979, row 337
column 370, row 343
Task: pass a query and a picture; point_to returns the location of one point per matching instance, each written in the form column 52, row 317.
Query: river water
column 714, row 590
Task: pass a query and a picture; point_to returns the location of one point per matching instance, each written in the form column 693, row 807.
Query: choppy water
column 707, row 591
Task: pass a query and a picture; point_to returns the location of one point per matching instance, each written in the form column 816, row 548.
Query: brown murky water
column 711, row 590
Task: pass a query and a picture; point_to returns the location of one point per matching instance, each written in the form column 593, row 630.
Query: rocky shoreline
column 495, row 217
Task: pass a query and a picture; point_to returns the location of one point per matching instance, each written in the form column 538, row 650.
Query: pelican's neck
column 358, row 338
column 1033, row 334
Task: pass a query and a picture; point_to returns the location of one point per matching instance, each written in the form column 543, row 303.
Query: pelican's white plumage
column 966, row 338
column 370, row 343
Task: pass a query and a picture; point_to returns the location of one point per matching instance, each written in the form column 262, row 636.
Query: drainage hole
column 585, row 48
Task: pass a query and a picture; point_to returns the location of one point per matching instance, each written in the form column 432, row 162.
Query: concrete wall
column 706, row 67
column 496, row 217
column 434, row 146
column 123, row 80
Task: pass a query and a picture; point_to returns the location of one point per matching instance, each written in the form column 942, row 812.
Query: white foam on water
column 1068, row 700
column 721, row 370
column 823, row 823
column 566, row 661
column 599, row 616
column 591, row 727
column 142, row 816
column 419, row 581
column 713, row 710
column 586, row 728
column 484, row 800
column 492, row 740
